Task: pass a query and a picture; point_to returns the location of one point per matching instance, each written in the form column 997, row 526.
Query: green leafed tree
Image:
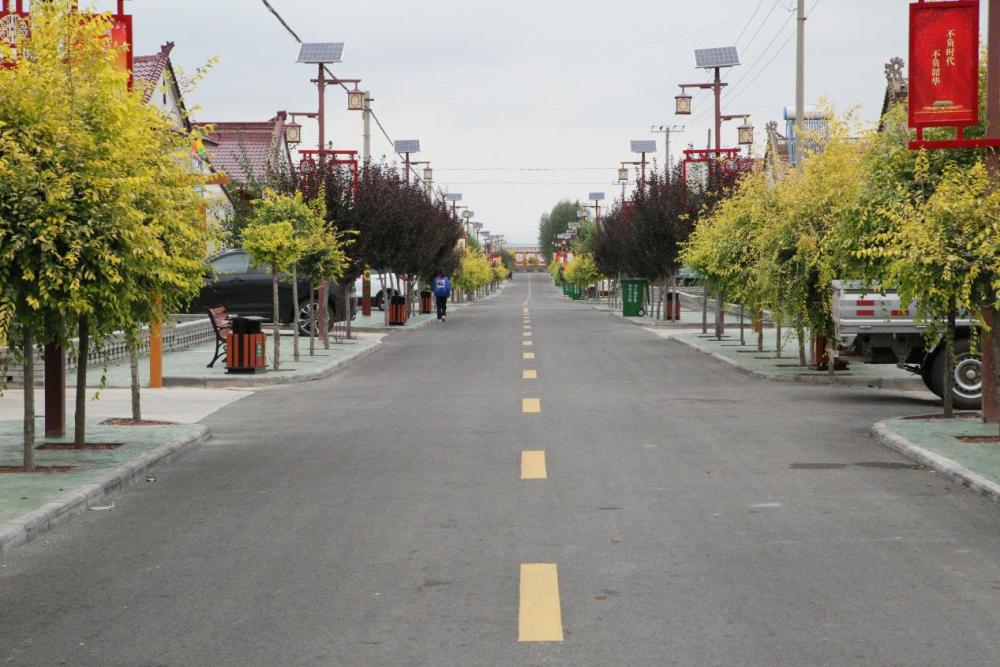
column 100, row 220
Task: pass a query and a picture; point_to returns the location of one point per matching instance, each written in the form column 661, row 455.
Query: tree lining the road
column 862, row 206
column 101, row 222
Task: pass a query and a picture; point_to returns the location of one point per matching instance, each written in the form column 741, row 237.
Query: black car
column 246, row 290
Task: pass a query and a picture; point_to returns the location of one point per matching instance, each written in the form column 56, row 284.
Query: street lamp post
column 321, row 55
column 716, row 60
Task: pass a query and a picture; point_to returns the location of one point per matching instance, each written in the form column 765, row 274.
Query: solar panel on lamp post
column 643, row 146
column 405, row 147
column 713, row 59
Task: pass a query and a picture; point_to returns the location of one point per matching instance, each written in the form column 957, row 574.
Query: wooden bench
column 222, row 325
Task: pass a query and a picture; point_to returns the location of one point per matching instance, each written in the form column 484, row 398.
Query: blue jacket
column 442, row 285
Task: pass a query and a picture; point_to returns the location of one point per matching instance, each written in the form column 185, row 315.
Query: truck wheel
column 968, row 390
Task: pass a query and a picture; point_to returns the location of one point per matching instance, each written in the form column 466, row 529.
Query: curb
column 391, row 329
column 29, row 526
column 655, row 324
column 224, row 382
column 961, row 474
column 871, row 383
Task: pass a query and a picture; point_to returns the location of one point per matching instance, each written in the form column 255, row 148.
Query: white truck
column 872, row 324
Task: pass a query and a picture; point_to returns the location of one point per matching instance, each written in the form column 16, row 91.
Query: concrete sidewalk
column 964, row 448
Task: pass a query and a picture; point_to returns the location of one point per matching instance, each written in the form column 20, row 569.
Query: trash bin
column 397, row 311
column 634, row 297
column 246, row 346
column 575, row 292
column 672, row 304
column 426, row 305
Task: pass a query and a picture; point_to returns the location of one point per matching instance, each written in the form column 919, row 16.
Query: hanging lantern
column 746, row 134
column 623, row 175
column 293, row 133
column 355, row 100
column 428, row 174
column 683, row 104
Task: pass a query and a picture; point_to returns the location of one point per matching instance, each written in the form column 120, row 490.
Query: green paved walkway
column 940, row 436
column 191, row 363
column 21, row 492
column 765, row 364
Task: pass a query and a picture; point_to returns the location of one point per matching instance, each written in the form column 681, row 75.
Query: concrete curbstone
column 889, row 438
column 30, row 525
column 250, row 381
column 870, row 383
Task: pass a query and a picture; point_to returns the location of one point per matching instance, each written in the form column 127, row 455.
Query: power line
column 378, row 122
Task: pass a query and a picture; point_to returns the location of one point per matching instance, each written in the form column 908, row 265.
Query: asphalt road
column 380, row 518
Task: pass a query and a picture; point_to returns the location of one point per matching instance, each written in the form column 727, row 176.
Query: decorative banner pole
column 944, row 92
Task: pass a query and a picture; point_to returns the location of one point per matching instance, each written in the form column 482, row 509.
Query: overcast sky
column 492, row 90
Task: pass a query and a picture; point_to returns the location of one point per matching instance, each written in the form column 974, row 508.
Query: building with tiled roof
column 250, row 151
column 154, row 76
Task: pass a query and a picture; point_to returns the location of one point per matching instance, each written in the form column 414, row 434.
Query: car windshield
column 234, row 263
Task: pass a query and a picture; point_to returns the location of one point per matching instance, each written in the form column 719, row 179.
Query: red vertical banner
column 944, row 64
column 121, row 37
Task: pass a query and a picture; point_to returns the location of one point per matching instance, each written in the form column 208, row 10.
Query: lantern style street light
column 682, row 102
column 293, row 133
column 746, row 134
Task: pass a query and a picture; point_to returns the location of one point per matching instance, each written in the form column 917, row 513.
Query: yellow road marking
column 532, row 405
column 539, row 616
column 527, row 334
column 527, row 327
column 533, row 465
column 529, row 355
column 529, row 375
column 527, row 343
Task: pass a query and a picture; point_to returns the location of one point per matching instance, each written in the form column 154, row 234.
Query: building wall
column 527, row 257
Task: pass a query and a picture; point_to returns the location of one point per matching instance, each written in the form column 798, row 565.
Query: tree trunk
column 777, row 343
column 704, row 310
column 83, row 354
column 994, row 343
column 743, row 335
column 347, row 306
column 949, row 365
column 29, row 400
column 133, row 363
column 277, row 318
column 800, row 332
column 760, row 332
column 313, row 324
column 720, row 314
column 297, row 317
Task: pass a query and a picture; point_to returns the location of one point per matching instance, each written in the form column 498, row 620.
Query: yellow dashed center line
column 529, row 375
column 533, row 465
column 531, row 405
column 529, row 355
column 539, row 616
column 527, row 343
column 527, row 334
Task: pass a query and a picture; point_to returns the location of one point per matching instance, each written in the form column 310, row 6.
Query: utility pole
column 667, row 131
column 800, row 77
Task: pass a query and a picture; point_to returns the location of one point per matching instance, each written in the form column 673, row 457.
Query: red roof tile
column 148, row 70
column 248, row 149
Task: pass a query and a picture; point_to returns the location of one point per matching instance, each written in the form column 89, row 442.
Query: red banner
column 944, row 64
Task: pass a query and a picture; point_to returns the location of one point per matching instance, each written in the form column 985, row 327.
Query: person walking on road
column 442, row 290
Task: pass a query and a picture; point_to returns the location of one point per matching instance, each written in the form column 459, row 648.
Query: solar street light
column 321, row 53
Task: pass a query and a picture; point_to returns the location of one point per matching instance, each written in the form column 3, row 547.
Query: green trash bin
column 575, row 292
column 634, row 297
